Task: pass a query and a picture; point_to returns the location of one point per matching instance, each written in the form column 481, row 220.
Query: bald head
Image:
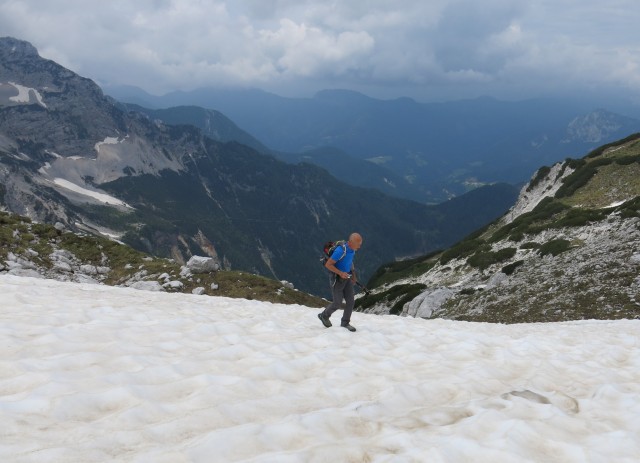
column 355, row 241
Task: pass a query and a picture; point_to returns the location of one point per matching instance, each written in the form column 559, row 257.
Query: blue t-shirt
column 343, row 263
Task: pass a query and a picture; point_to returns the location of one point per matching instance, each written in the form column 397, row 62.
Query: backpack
column 330, row 247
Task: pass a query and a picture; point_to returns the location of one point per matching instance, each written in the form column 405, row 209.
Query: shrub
column 577, row 179
column 540, row 175
column 406, row 291
column 529, row 222
column 509, row 269
column 44, row 231
column 579, row 217
column 630, row 208
column 628, row 160
column 394, row 271
column 484, row 260
column 554, row 247
column 462, row 249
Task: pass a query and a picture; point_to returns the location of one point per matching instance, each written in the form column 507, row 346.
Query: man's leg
column 337, row 292
column 349, row 300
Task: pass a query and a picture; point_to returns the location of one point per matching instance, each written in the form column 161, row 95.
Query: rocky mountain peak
column 596, row 126
column 11, row 47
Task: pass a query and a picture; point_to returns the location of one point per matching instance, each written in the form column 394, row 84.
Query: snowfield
column 24, row 94
column 92, row 373
column 101, row 197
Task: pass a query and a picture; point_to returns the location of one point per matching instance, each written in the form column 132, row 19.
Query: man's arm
column 331, row 265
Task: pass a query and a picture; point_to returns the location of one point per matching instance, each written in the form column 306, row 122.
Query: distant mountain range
column 69, row 154
column 430, row 152
column 356, row 172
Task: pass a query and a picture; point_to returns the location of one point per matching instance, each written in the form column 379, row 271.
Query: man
column 343, row 277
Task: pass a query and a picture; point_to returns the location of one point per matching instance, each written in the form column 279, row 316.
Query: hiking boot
column 325, row 321
column 348, row 326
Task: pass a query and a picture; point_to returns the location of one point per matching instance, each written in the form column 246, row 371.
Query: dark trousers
column 341, row 289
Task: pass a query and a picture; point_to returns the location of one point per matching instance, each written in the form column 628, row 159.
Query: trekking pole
column 364, row 288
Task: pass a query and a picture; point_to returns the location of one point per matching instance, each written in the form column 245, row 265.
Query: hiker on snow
column 343, row 277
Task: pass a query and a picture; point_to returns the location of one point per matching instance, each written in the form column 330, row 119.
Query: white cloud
column 302, row 50
column 492, row 46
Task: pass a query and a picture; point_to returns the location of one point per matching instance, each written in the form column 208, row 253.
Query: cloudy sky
column 429, row 50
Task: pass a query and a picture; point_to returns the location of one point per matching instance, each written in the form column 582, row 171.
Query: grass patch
column 611, row 183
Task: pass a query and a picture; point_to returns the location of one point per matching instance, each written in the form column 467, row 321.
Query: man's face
column 355, row 244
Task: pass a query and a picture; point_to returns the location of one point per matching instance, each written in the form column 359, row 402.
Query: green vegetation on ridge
column 36, row 242
column 605, row 182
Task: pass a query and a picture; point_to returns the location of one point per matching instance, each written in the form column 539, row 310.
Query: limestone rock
column 200, row 264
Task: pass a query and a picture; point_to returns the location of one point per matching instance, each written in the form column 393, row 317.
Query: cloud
column 477, row 36
column 303, row 50
column 441, row 47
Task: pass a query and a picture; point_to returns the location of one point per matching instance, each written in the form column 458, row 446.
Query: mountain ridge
column 443, row 149
column 567, row 250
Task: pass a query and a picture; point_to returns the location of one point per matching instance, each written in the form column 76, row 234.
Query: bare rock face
column 428, row 302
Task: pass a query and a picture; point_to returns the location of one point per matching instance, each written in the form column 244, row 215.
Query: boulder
column 175, row 285
column 147, row 286
column 425, row 304
column 23, row 272
column 200, row 264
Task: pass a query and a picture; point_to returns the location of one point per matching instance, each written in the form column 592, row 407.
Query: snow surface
column 102, row 197
column 23, row 94
column 97, row 373
column 106, row 141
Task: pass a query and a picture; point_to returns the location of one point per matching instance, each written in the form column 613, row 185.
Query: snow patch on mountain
column 107, row 141
column 26, row 95
column 101, row 197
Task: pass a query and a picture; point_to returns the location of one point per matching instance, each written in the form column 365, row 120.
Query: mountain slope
column 69, row 154
column 568, row 249
column 213, row 124
column 46, row 251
